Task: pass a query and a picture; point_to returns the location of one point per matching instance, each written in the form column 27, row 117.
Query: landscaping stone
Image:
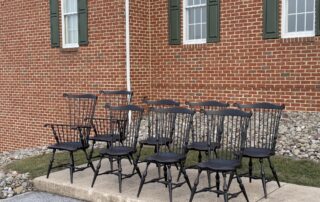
column 13, row 183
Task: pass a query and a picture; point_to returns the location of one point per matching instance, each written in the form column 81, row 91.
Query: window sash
column 285, row 21
column 202, row 24
column 70, row 31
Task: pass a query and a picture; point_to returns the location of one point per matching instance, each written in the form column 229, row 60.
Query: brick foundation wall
column 242, row 67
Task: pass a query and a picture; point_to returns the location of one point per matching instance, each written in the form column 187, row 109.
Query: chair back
column 160, row 104
column 116, row 98
column 81, row 108
column 172, row 124
column 127, row 124
column 264, row 124
column 199, row 129
column 231, row 126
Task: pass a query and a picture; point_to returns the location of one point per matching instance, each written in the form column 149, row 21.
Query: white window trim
column 284, row 25
column 64, row 45
column 185, row 28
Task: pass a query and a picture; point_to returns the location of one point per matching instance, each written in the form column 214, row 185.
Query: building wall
column 242, row 67
column 33, row 76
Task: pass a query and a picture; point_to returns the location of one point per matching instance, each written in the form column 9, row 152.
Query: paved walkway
column 40, row 197
column 106, row 188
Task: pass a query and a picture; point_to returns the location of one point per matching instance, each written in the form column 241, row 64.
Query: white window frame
column 186, row 27
column 284, row 24
column 64, row 44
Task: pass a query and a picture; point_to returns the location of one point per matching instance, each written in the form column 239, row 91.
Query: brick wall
column 242, row 67
column 33, row 76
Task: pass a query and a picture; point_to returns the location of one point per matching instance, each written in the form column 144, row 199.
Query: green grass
column 302, row 172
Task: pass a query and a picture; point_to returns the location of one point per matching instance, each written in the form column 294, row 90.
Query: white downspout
column 127, row 14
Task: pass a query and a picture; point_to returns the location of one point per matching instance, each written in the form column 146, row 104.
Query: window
column 195, row 21
column 70, row 24
column 298, row 19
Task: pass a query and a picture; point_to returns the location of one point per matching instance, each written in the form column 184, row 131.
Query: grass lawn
column 303, row 172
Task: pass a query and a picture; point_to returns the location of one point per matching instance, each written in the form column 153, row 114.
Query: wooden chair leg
column 71, row 167
column 169, row 178
column 242, row 187
column 51, row 162
column 96, row 172
column 194, row 189
column 274, row 172
column 225, row 187
column 143, row 179
column 263, row 177
column 119, row 173
column 250, row 170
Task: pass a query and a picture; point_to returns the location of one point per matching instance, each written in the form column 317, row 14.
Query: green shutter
column 213, row 22
column 174, row 22
column 270, row 19
column 317, row 17
column 83, row 22
column 54, row 23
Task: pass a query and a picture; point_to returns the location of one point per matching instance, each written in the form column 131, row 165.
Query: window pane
column 196, row 2
column 310, row 5
column 292, row 6
column 190, row 2
column 291, row 23
column 191, row 15
column 191, row 32
column 204, row 31
column 203, row 1
column 309, row 22
column 300, row 22
column 204, row 14
column 301, row 7
column 70, row 6
column 197, row 15
column 197, row 31
column 71, row 29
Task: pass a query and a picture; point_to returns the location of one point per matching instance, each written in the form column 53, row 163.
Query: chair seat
column 106, row 138
column 202, row 146
column 219, row 165
column 154, row 141
column 166, row 158
column 68, row 146
column 257, row 152
column 117, row 151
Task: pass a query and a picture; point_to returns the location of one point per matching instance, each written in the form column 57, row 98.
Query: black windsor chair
column 230, row 125
column 74, row 136
column 262, row 137
column 128, row 124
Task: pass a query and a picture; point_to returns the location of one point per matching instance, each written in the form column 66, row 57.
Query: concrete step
column 106, row 187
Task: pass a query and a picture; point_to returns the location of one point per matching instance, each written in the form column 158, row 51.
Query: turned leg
column 242, row 187
column 250, row 170
column 225, row 187
column 96, row 172
column 51, row 162
column 71, row 166
column 194, row 189
column 263, row 177
column 273, row 171
column 143, row 179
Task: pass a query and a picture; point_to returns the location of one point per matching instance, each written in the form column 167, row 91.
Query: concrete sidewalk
column 106, row 188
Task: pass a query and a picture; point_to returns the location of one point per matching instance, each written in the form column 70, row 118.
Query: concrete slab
column 106, row 188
